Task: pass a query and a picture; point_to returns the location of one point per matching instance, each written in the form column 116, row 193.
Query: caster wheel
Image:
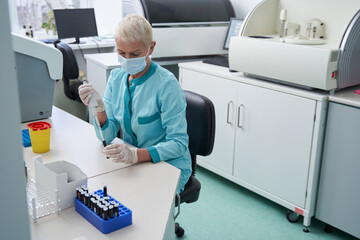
column 292, row 216
column 328, row 228
column 179, row 231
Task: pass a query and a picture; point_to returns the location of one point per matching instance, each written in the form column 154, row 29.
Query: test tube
column 97, row 197
column 116, row 209
column 87, row 199
column 111, row 211
column 82, row 195
column 94, row 208
column 105, row 191
column 78, row 193
column 99, row 209
column 105, row 213
column 91, row 204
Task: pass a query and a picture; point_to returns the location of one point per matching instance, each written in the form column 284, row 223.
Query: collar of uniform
column 147, row 75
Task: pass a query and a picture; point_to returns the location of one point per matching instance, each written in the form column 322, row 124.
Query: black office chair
column 70, row 71
column 200, row 117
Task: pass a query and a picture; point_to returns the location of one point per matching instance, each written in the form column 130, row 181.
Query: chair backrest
column 200, row 117
column 70, row 71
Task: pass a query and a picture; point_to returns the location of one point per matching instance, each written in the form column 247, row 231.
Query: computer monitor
column 233, row 30
column 75, row 23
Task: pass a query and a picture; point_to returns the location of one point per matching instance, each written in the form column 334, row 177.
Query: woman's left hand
column 121, row 153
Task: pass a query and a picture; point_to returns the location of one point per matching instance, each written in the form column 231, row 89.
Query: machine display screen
column 233, row 30
column 187, row 11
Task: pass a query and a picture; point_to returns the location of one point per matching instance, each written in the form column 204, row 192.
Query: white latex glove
column 86, row 92
column 121, row 153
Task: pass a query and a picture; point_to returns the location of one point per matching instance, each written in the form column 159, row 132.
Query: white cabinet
column 268, row 137
column 224, row 100
column 274, row 135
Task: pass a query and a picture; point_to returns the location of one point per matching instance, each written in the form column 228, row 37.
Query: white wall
column 243, row 7
column 108, row 13
column 14, row 220
column 14, row 17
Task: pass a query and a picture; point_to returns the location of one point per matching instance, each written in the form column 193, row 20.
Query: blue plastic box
column 105, row 226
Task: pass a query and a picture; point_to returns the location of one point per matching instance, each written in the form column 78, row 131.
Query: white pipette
column 92, row 107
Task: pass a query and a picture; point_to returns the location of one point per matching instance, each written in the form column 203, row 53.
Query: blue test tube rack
column 26, row 138
column 123, row 219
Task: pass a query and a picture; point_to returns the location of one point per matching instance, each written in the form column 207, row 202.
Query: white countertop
column 73, row 140
column 105, row 60
column 224, row 72
column 347, row 96
column 147, row 189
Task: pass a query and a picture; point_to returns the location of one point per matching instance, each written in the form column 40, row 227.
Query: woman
column 147, row 102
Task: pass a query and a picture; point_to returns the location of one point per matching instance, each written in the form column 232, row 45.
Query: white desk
column 73, row 140
column 147, row 189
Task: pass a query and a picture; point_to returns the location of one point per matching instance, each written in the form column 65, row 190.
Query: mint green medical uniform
column 151, row 113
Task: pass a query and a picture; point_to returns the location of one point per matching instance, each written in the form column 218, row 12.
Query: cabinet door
column 273, row 141
column 223, row 95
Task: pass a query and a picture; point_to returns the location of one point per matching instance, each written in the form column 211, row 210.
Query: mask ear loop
column 150, row 48
column 147, row 54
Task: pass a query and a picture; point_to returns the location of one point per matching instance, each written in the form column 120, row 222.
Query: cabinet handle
column 228, row 111
column 240, row 116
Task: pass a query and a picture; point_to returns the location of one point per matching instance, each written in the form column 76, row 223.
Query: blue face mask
column 132, row 65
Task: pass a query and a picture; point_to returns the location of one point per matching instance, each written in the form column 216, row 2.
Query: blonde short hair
column 134, row 28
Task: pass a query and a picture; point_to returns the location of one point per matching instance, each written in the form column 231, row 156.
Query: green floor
column 228, row 211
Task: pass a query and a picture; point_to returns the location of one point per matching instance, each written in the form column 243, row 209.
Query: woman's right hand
column 86, row 91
